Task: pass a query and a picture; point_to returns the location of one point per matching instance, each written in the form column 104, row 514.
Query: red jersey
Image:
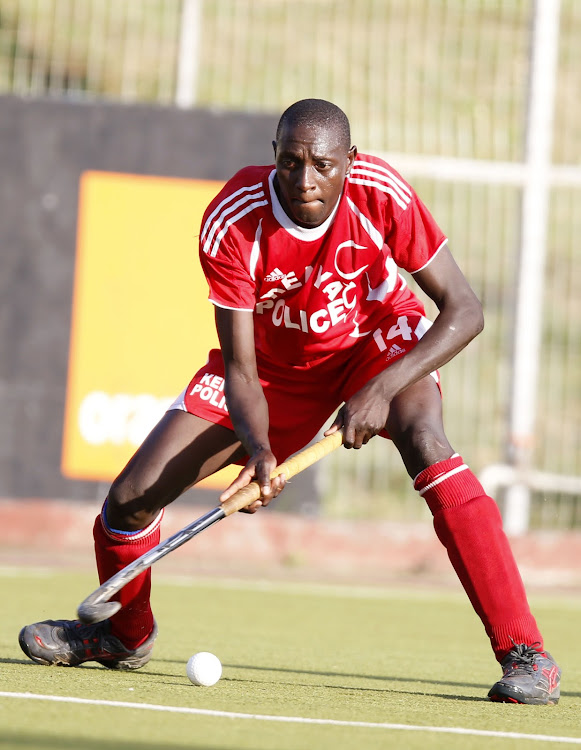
column 316, row 291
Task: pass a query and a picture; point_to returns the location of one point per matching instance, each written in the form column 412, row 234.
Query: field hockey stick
column 97, row 607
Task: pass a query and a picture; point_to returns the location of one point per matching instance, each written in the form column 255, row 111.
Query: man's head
column 313, row 156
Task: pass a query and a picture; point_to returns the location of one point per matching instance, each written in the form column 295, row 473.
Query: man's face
column 311, row 166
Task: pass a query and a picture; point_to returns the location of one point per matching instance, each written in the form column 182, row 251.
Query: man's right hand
column 259, row 467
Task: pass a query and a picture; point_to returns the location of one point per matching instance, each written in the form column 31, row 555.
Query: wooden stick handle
column 290, row 468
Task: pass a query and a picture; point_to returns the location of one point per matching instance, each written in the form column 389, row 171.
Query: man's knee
column 415, row 425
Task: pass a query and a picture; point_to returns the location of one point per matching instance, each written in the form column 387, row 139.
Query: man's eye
column 288, row 163
column 323, row 165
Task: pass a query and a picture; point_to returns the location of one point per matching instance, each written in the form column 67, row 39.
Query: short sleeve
column 229, row 279
column 414, row 237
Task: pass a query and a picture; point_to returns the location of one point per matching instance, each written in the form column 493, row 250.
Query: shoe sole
column 126, row 665
column 503, row 694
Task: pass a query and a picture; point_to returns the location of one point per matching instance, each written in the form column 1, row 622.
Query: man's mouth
column 303, row 202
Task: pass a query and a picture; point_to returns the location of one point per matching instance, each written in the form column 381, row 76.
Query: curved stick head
column 90, row 613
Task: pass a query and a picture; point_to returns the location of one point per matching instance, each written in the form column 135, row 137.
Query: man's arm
column 246, row 403
column 459, row 320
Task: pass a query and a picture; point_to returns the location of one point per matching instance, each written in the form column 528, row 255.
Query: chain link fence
column 443, row 77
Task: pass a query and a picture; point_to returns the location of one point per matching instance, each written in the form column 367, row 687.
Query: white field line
column 336, row 590
column 307, row 588
column 293, row 719
column 350, row 591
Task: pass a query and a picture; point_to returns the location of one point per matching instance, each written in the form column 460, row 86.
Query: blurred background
column 120, row 119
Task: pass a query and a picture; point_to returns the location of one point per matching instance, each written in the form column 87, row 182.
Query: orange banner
column 141, row 320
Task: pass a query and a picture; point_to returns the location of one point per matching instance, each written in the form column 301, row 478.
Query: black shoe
column 529, row 676
column 68, row 643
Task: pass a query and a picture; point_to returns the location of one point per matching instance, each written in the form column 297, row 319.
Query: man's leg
column 180, row 451
column 469, row 525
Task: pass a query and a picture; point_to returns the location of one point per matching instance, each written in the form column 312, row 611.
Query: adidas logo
column 275, row 275
column 394, row 351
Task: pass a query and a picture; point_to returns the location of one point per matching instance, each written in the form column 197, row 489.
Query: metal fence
column 444, row 87
column 446, row 77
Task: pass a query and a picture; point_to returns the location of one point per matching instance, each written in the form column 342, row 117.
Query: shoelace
column 80, row 636
column 522, row 657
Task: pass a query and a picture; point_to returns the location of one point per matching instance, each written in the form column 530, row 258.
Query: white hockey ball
column 204, row 669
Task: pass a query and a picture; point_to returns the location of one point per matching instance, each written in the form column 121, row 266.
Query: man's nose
column 306, row 178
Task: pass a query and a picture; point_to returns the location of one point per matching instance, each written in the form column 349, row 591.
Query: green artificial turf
column 415, row 658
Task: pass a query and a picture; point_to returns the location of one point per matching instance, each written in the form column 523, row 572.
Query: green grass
column 368, row 655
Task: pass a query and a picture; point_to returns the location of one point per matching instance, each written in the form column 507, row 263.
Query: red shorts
column 301, row 398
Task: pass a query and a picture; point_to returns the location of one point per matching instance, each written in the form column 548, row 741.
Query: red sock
column 469, row 525
column 113, row 551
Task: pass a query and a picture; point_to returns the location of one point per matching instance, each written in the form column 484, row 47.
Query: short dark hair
column 317, row 112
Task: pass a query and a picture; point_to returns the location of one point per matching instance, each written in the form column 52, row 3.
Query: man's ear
column 274, row 148
column 352, row 153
